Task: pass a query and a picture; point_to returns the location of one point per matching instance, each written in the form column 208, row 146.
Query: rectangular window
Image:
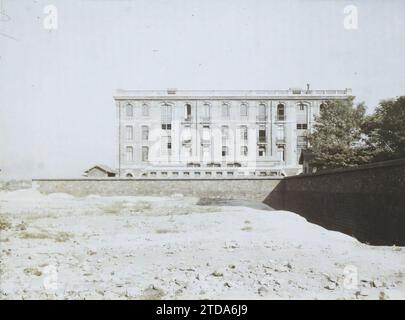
column 280, row 132
column 206, row 136
column 130, row 132
column 166, row 126
column 302, row 141
column 145, row 133
column 281, row 112
column 262, row 151
column 169, row 145
column 302, row 126
column 244, row 151
column 166, row 113
column 166, row 145
column 262, row 135
column 187, row 151
column 281, row 153
column 166, row 116
column 224, row 151
column 225, row 132
column 207, row 111
column 262, row 111
column 244, row 133
column 129, row 153
column 187, row 112
column 145, row 154
column 186, row 134
column 206, row 152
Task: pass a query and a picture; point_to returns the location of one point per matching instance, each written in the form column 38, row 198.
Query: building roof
column 259, row 94
column 102, row 167
column 306, row 155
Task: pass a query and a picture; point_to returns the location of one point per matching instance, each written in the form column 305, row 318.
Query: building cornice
column 244, row 98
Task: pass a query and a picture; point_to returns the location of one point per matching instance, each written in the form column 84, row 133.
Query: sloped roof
column 102, row 167
column 306, row 155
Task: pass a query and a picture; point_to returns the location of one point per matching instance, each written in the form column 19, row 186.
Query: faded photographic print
column 177, row 150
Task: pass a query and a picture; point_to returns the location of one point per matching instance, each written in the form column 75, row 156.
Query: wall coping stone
column 375, row 165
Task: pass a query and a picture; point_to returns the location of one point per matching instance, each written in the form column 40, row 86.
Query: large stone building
column 212, row 134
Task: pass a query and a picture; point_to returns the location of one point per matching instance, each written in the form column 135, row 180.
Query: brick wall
column 367, row 202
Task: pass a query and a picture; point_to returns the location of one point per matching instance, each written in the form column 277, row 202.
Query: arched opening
column 281, row 112
column 207, row 111
column 145, row 110
column 225, row 151
column 187, row 111
column 244, row 110
column 225, row 111
column 302, row 116
column 129, row 110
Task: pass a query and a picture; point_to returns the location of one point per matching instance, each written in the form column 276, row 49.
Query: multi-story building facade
column 211, row 134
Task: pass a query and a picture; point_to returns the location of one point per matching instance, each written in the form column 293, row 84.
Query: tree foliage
column 385, row 130
column 336, row 140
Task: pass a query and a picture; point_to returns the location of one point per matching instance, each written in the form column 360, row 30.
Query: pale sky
column 57, row 115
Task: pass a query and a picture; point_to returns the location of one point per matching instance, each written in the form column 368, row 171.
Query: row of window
column 261, row 152
column 166, row 111
column 129, row 154
column 206, row 136
column 130, row 133
column 207, row 173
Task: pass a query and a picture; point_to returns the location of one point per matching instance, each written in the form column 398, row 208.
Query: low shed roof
column 102, row 167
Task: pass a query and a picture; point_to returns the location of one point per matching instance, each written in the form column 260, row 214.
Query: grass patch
column 58, row 237
column 152, row 293
column 248, row 228
column 126, row 207
column 164, row 231
column 4, row 224
column 62, row 237
column 140, row 206
column 21, row 226
column 115, row 207
column 180, row 210
column 33, row 271
column 143, row 207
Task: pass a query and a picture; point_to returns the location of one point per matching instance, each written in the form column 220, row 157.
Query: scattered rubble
column 169, row 247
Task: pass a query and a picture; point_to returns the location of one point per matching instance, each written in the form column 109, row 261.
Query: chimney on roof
column 171, row 91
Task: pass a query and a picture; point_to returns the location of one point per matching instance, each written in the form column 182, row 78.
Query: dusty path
column 62, row 247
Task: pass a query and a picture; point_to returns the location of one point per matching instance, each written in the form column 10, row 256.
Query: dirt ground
column 61, row 247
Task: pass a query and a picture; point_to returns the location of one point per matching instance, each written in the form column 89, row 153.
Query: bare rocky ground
column 62, row 247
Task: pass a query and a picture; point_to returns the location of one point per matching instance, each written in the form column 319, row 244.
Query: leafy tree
column 336, row 140
column 385, row 130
